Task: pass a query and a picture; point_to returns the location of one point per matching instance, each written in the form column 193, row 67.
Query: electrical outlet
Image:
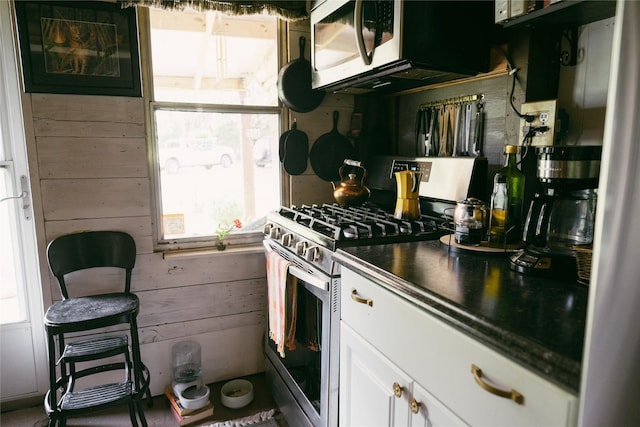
column 544, row 122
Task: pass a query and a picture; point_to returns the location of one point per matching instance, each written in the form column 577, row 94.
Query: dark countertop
column 538, row 322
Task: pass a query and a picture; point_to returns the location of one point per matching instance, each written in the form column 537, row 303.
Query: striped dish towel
column 282, row 297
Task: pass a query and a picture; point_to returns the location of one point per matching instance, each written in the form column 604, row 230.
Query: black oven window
column 304, row 362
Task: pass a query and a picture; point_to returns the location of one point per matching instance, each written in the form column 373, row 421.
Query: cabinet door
column 427, row 411
column 367, row 394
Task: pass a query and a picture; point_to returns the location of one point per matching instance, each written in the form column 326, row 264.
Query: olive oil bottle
column 499, row 211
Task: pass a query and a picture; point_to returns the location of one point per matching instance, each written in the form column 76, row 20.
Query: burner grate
column 359, row 223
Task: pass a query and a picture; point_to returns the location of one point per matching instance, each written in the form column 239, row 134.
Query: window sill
column 212, row 251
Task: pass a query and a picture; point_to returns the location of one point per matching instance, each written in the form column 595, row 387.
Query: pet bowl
column 194, row 397
column 236, row 393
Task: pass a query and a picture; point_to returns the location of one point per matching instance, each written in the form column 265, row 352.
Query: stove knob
column 312, row 254
column 275, row 233
column 287, row 239
column 301, row 247
column 267, row 228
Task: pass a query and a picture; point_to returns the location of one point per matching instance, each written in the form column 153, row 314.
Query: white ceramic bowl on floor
column 194, row 397
column 236, row 393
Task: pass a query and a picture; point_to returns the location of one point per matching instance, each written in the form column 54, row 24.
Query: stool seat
column 76, row 314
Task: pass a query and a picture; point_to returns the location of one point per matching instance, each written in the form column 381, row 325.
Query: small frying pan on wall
column 283, row 139
column 294, row 85
column 329, row 151
column 296, row 151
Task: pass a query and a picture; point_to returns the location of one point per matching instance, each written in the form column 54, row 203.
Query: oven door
column 353, row 37
column 306, row 378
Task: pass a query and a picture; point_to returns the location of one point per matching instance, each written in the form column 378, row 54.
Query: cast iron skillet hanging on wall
column 296, row 151
column 329, row 151
column 294, row 85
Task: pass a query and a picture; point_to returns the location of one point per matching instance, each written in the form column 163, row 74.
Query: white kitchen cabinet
column 462, row 377
column 367, row 382
column 427, row 411
column 375, row 392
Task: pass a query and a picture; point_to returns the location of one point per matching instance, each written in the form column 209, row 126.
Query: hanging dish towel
column 309, row 322
column 282, row 296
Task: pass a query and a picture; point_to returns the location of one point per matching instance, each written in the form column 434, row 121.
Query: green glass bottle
column 515, row 192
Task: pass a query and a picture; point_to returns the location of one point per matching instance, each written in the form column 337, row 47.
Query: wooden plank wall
column 91, row 160
column 308, row 188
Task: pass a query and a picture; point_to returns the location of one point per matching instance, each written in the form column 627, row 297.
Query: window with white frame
column 216, row 124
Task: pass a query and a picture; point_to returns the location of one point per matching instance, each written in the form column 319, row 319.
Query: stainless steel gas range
column 304, row 379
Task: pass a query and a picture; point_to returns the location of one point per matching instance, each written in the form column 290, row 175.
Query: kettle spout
column 333, row 185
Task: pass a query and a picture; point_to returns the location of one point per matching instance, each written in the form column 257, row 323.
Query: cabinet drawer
column 440, row 358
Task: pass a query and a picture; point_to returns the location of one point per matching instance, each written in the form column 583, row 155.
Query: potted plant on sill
column 222, row 231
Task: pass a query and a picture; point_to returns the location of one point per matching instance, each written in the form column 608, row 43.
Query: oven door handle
column 301, row 274
column 308, row 278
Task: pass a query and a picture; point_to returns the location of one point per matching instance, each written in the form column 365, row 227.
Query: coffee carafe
column 408, row 202
column 561, row 220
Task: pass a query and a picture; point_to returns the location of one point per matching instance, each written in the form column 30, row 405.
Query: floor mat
column 261, row 419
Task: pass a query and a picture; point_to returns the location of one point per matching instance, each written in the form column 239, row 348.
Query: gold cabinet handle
column 414, row 405
column 356, row 298
column 397, row 390
column 508, row 394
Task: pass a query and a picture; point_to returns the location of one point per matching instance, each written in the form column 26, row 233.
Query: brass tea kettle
column 351, row 191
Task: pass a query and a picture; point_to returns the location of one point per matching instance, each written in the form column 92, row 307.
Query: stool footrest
column 96, row 348
column 102, row 395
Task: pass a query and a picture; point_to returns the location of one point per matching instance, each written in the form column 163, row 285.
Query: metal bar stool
column 85, row 252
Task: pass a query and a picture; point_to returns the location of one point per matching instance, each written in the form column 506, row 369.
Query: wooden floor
column 157, row 416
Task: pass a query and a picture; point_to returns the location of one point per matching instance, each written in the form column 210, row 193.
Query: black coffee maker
column 561, row 217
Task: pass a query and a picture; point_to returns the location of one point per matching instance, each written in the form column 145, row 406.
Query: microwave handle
column 357, row 18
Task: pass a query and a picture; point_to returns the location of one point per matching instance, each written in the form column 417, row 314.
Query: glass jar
column 470, row 221
column 499, row 212
column 186, row 357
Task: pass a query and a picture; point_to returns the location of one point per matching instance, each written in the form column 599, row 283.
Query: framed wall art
column 79, row 47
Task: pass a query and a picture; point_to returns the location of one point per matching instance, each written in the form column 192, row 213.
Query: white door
column 22, row 346
column 368, row 383
column 427, row 411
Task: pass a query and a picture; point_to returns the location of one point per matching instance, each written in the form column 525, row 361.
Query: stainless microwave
column 371, row 44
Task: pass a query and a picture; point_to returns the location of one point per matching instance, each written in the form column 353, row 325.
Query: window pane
column 214, row 164
column 208, row 57
column 215, row 168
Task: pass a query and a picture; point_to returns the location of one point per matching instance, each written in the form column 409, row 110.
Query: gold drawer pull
column 414, row 405
column 397, row 390
column 356, row 298
column 511, row 394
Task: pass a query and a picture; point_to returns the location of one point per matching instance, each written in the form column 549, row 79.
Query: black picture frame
column 79, row 47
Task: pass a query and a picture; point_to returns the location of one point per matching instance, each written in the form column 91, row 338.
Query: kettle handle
column 354, row 163
column 415, row 182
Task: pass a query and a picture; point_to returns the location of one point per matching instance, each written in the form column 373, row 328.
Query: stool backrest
column 80, row 251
